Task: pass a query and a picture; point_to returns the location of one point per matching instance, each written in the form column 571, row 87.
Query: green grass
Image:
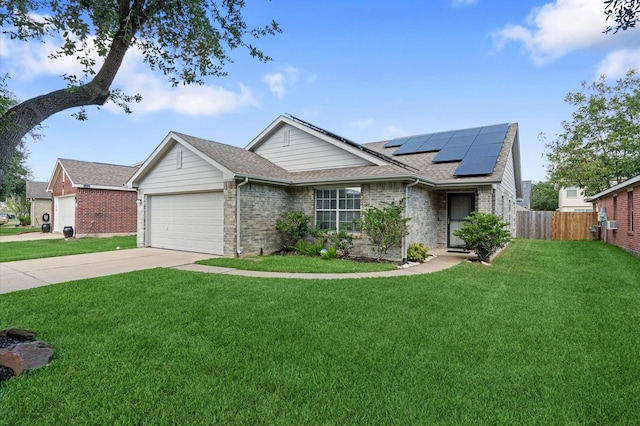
column 303, row 264
column 547, row 335
column 12, row 229
column 23, row 250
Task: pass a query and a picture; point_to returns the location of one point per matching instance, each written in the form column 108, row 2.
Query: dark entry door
column 458, row 207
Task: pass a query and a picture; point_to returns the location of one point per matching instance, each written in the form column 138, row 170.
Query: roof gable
column 298, row 146
column 86, row 174
column 36, row 190
column 231, row 160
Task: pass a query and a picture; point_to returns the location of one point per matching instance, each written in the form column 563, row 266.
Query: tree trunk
column 23, row 117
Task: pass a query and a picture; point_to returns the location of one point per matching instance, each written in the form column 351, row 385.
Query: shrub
column 330, row 253
column 342, row 241
column 294, row 225
column 417, row 252
column 385, row 227
column 484, row 233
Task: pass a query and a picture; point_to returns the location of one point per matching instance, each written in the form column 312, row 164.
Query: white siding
column 506, row 195
column 192, row 174
column 305, row 152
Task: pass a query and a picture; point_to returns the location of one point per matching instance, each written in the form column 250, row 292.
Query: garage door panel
column 65, row 213
column 189, row 222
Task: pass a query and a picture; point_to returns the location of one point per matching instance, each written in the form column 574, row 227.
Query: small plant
column 484, row 233
column 417, row 252
column 385, row 227
column 330, row 253
column 342, row 241
column 295, row 226
column 305, row 248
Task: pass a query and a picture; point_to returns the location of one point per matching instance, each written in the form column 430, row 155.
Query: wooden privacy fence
column 556, row 225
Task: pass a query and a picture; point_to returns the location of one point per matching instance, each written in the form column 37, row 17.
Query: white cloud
column 554, row 29
column 618, row 62
column 280, row 82
column 29, row 61
column 461, row 3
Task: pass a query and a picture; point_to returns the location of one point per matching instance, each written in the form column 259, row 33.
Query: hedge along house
column 209, row 197
column 92, row 199
column 619, row 210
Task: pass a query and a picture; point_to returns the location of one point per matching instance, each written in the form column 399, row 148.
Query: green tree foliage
column 601, row 144
column 624, row 13
column 544, row 196
column 484, row 233
column 184, row 39
column 295, row 226
column 384, row 227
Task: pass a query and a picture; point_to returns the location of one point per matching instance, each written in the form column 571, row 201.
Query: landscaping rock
column 19, row 352
column 18, row 333
column 26, row 356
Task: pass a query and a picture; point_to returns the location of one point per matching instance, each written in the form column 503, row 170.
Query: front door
column 459, row 206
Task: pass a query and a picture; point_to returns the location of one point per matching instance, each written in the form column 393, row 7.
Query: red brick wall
column 61, row 186
column 623, row 236
column 101, row 211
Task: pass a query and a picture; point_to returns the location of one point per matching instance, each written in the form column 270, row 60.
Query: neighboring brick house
column 91, row 198
column 204, row 196
column 40, row 203
column 621, row 206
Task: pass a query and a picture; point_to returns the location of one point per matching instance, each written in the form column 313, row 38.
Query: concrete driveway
column 26, row 274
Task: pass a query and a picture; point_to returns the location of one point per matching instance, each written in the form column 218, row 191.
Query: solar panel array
column 477, row 149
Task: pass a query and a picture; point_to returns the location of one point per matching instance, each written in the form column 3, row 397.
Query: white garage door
column 65, row 213
column 189, row 222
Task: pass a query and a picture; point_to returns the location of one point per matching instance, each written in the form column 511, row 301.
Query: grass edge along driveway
column 548, row 334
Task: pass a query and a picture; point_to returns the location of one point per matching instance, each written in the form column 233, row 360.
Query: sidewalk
column 25, row 274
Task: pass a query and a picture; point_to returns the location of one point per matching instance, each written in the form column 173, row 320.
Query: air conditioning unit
column 612, row 224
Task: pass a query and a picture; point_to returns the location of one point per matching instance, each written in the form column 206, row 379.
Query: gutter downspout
column 405, row 247
column 238, row 248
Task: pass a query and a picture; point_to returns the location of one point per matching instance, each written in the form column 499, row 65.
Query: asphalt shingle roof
column 37, row 189
column 237, row 160
column 97, row 174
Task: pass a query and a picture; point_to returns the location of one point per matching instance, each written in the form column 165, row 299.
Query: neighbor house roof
column 86, row 174
column 615, row 188
column 37, row 190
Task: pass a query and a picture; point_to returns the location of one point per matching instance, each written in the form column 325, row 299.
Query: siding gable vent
column 178, row 159
column 286, row 137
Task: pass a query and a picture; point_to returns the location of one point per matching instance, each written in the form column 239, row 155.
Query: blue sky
column 367, row 70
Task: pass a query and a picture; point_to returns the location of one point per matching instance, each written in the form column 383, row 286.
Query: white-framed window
column 572, row 191
column 337, row 208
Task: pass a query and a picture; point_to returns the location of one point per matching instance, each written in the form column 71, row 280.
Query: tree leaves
column 601, row 144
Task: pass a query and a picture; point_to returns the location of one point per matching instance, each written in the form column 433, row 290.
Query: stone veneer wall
column 422, row 208
column 260, row 207
column 376, row 195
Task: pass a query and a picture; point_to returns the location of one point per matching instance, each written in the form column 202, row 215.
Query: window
column 630, row 204
column 572, row 191
column 336, row 209
column 615, row 208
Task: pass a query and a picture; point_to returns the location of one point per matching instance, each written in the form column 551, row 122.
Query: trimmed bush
column 484, row 233
column 417, row 252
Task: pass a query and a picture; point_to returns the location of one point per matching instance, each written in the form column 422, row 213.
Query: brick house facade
column 621, row 204
column 90, row 198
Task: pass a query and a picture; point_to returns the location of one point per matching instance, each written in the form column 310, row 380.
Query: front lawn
column 11, row 229
column 36, row 249
column 547, row 335
column 302, row 264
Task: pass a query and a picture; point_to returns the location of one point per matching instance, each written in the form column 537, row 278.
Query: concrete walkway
column 25, row 274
